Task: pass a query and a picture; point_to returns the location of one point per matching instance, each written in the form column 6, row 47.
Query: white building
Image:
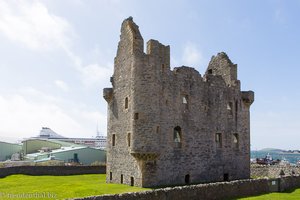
column 98, row 142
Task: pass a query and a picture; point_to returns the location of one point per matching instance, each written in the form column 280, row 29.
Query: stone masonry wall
column 174, row 127
column 212, row 191
column 52, row 170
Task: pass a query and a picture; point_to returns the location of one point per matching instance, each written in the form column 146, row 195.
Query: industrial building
column 8, row 149
column 52, row 146
column 39, row 150
column 82, row 155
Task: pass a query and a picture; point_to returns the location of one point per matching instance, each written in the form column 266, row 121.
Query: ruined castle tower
column 169, row 127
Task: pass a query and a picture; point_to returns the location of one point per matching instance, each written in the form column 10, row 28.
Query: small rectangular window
column 131, row 181
column 157, row 129
column 218, row 139
column 121, row 178
column 110, row 176
column 113, row 139
column 126, row 103
column 128, row 139
column 136, row 116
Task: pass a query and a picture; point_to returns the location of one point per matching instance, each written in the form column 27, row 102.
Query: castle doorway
column 187, row 179
column 226, row 177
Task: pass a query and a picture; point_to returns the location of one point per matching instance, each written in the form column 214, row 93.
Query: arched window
column 218, row 139
column 229, row 107
column 177, row 137
column 236, row 140
column 185, row 101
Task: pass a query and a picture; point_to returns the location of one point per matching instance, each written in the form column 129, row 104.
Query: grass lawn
column 289, row 195
column 59, row 187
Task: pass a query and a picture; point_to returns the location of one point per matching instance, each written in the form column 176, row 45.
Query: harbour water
column 291, row 157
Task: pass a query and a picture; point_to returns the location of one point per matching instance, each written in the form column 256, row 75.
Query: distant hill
column 272, row 150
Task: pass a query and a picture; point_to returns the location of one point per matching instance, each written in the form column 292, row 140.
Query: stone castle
column 174, row 127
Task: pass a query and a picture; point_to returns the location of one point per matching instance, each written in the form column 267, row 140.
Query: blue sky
column 56, row 56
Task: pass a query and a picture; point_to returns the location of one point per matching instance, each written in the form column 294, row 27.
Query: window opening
column 126, row 103
column 177, row 136
column 113, row 139
column 157, row 129
column 229, row 107
column 236, row 140
column 136, row 116
column 218, row 139
column 128, row 139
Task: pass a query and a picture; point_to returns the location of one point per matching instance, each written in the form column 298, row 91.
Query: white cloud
column 23, row 115
column 93, row 73
column 61, row 85
column 192, row 55
column 30, row 23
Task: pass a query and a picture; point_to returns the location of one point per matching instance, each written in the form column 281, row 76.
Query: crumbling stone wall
column 174, row 127
column 273, row 171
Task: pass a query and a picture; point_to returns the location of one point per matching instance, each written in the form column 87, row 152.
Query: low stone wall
column 273, row 171
column 52, row 170
column 212, row 191
column 289, row 182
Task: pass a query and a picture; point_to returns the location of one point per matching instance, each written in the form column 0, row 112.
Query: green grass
column 59, row 187
column 289, row 195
